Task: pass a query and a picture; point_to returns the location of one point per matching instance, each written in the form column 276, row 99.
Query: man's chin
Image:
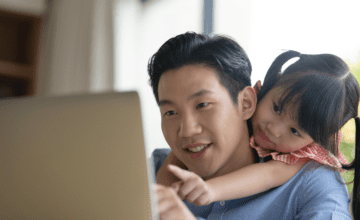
column 201, row 171
column 206, row 173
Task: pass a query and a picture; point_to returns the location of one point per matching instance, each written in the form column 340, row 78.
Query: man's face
column 200, row 122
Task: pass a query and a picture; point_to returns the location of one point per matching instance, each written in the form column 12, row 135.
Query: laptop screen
column 76, row 157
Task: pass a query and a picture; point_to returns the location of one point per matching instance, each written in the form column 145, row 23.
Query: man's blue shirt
column 315, row 192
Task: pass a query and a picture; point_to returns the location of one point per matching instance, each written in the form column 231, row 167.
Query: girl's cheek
column 255, row 122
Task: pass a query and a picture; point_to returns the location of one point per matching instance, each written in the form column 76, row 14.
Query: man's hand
column 191, row 187
column 170, row 205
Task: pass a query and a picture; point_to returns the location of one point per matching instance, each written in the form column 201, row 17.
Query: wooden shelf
column 19, row 41
column 16, row 70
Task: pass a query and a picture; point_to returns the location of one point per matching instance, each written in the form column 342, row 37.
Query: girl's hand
column 191, row 187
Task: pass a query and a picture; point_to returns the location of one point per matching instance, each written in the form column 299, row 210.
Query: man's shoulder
column 161, row 151
column 315, row 190
column 314, row 182
column 315, row 187
column 317, row 174
column 320, row 188
column 158, row 156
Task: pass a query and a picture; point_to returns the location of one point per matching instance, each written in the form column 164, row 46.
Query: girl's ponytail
column 276, row 66
column 356, row 165
column 275, row 70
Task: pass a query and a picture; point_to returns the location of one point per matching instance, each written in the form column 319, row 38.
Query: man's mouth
column 198, row 151
column 198, row 148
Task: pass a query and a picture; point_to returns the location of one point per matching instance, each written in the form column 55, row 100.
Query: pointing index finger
column 180, row 173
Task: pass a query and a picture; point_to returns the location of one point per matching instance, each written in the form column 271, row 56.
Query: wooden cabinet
column 19, row 42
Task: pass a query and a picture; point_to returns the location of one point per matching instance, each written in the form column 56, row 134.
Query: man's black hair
column 223, row 54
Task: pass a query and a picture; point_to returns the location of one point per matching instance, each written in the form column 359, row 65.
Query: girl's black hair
column 325, row 94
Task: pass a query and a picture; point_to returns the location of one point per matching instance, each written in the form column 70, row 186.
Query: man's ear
column 247, row 100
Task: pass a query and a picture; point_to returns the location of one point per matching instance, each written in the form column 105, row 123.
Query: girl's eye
column 170, row 113
column 276, row 109
column 294, row 131
column 202, row 105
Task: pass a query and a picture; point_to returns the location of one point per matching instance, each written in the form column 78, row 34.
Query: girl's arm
column 252, row 179
column 164, row 176
column 244, row 182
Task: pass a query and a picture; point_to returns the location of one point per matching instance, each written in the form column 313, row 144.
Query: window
column 263, row 28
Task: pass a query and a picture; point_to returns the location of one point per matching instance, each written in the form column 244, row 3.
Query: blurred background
column 63, row 47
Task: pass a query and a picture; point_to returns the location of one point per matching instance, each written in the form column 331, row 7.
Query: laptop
column 74, row 157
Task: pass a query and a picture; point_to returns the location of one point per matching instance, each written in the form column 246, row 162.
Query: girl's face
column 275, row 130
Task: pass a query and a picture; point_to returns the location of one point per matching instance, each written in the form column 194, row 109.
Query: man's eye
column 202, row 105
column 276, row 109
column 170, row 113
column 294, row 131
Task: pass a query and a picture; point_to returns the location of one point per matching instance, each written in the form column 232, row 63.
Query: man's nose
column 189, row 126
column 276, row 129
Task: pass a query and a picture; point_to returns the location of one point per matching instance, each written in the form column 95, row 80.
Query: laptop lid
column 76, row 157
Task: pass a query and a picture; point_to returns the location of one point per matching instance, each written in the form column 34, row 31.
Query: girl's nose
column 276, row 129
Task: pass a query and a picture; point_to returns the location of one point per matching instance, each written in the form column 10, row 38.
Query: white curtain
column 76, row 49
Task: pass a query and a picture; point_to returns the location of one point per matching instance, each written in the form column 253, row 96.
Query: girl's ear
column 247, row 102
column 257, row 87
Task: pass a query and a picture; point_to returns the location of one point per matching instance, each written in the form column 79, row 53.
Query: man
column 202, row 86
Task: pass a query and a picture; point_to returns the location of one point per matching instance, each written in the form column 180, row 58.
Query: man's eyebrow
column 200, row 93
column 197, row 94
column 165, row 102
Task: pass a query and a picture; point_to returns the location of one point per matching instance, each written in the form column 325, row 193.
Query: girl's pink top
column 312, row 152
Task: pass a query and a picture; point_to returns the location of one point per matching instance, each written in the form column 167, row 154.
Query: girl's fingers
column 203, row 199
column 182, row 174
column 191, row 189
column 176, row 186
column 194, row 194
column 191, row 186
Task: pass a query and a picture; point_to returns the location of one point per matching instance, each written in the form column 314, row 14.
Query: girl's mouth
column 263, row 136
column 261, row 139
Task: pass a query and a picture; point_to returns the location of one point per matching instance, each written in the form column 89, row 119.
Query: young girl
column 298, row 118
